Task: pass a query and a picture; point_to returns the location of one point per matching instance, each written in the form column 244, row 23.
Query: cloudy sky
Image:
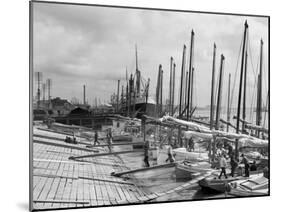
column 76, row 45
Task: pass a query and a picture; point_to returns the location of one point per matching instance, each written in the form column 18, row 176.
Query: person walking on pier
column 96, row 138
column 191, row 145
column 146, row 148
column 233, row 164
column 109, row 140
column 170, row 155
column 223, row 166
column 245, row 161
column 254, row 167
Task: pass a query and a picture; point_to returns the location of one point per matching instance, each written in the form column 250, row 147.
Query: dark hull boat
column 212, row 184
column 142, row 108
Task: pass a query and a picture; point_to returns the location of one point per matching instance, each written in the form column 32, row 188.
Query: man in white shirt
column 223, row 166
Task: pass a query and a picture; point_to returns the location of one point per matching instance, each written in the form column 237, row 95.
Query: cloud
column 76, row 45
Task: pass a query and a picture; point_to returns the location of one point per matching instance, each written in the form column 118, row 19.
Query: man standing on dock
column 96, row 138
column 191, row 145
column 109, row 139
column 233, row 164
column 223, row 166
column 170, row 155
column 245, row 161
column 146, row 148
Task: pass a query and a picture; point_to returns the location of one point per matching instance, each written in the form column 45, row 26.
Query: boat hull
column 211, row 185
column 141, row 109
column 187, row 172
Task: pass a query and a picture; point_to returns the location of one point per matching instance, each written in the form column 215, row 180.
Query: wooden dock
column 60, row 183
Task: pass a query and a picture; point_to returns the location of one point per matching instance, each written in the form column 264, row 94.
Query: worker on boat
column 67, row 139
column 146, row 148
column 223, row 166
column 191, row 145
column 230, row 150
column 233, row 164
column 254, row 166
column 96, row 138
column 245, row 161
column 171, row 157
column 109, row 139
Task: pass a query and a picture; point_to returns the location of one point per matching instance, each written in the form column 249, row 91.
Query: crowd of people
column 224, row 153
column 234, row 164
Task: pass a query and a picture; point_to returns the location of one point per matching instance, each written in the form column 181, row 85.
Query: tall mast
column 158, row 90
column 189, row 71
column 161, row 91
column 84, row 94
column 122, row 98
column 173, row 92
column 39, row 78
column 171, row 86
column 181, row 82
column 127, row 94
column 131, row 92
column 219, row 92
column 49, row 92
column 137, row 74
column 228, row 103
column 137, row 67
column 146, row 92
column 245, row 91
column 259, row 94
column 186, row 93
column 191, row 91
column 212, row 88
column 44, row 92
column 240, row 86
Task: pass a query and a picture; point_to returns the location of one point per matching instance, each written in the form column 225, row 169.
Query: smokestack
column 117, row 104
column 49, row 84
column 84, row 94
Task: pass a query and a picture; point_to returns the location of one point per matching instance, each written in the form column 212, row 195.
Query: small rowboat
column 212, row 184
column 256, row 185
